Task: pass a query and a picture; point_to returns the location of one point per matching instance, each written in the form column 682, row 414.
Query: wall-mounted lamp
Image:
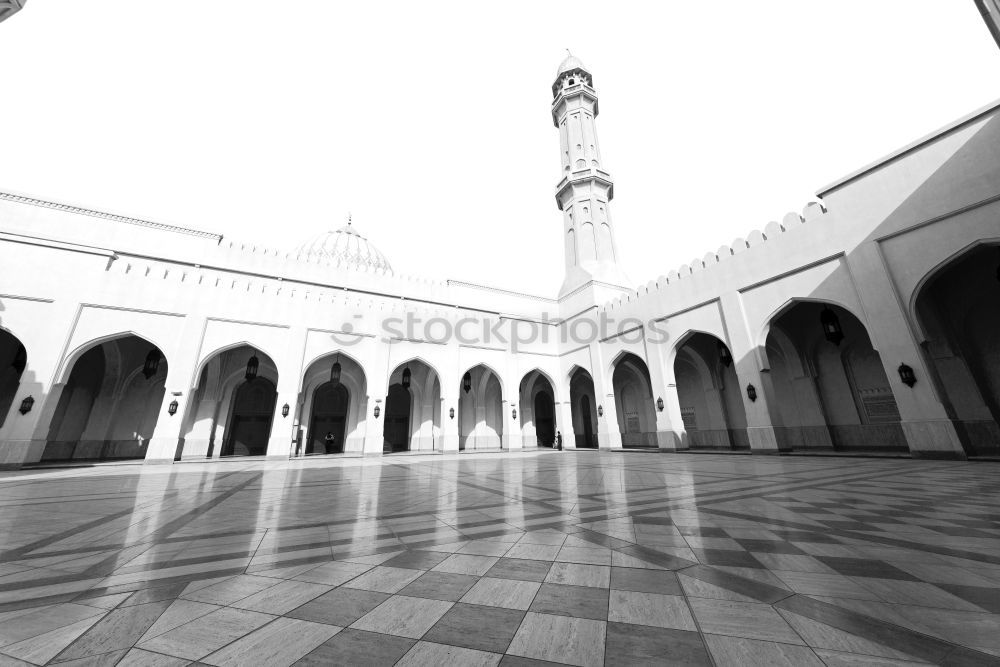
column 906, row 375
column 406, row 378
column 284, row 410
column 724, row 355
column 172, row 408
column 26, row 405
column 451, row 413
column 253, row 365
column 600, row 410
column 513, row 413
column 335, row 371
column 751, row 392
column 152, row 364
column 378, row 411
column 831, row 326
column 467, row 382
column 659, row 404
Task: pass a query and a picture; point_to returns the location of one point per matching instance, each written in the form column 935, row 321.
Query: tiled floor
column 510, row 559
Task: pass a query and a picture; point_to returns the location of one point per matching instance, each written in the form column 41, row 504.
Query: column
column 751, row 369
column 564, row 422
column 182, row 361
column 670, row 433
column 929, row 431
column 609, row 435
column 377, row 375
column 281, row 443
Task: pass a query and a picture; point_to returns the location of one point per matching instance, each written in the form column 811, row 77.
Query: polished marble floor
column 511, row 559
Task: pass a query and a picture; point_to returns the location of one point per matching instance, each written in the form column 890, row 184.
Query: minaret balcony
column 569, row 94
column 582, row 176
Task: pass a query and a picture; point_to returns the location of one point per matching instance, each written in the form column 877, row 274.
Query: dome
column 571, row 63
column 346, row 247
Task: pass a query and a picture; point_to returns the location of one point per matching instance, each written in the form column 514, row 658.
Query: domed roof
column 571, row 63
column 346, row 247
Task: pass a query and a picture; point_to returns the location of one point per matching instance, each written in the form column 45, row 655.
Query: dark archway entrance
column 480, row 410
column 109, row 407
column 396, row 432
column 582, row 401
column 537, row 410
column 959, row 310
column 830, row 385
column 13, row 360
column 709, row 394
column 328, row 426
column 634, row 402
column 250, row 423
column 545, row 423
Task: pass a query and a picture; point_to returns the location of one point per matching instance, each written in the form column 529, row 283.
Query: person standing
column 559, row 441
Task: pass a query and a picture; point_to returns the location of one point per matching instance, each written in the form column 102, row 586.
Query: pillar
column 609, row 434
column 762, row 414
column 670, row 433
column 564, row 421
column 929, row 430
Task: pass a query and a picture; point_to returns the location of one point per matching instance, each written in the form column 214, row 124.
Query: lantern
column 724, row 356
column 751, row 392
column 659, row 404
column 20, row 360
column 284, row 410
column 335, row 371
column 451, row 413
column 831, row 326
column 467, row 382
column 152, row 364
column 406, row 378
column 513, row 413
column 906, row 375
column 26, row 405
column 253, row 364
column 172, row 408
column 378, row 411
column 600, row 410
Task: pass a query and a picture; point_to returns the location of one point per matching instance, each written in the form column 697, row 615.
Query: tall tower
column 584, row 194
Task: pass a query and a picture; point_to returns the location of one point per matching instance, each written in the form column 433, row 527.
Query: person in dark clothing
column 559, row 440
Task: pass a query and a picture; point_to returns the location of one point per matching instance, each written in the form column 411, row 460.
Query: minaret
column 584, row 194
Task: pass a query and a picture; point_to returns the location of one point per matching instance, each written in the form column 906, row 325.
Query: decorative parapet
column 813, row 213
column 107, row 216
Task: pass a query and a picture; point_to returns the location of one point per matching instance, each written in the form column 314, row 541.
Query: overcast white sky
column 269, row 121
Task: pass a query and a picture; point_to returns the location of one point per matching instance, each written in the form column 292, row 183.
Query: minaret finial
column 348, row 218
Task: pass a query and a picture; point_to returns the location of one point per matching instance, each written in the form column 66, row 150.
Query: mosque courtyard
column 534, row 558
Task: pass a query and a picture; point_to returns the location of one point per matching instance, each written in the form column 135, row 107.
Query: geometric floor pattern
column 535, row 558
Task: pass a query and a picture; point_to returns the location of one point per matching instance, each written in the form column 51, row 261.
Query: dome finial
column 570, row 63
column 348, row 217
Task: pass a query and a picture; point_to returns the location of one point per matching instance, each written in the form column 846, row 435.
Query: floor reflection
column 569, row 557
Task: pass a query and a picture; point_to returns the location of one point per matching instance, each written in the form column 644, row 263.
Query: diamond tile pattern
column 579, row 558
